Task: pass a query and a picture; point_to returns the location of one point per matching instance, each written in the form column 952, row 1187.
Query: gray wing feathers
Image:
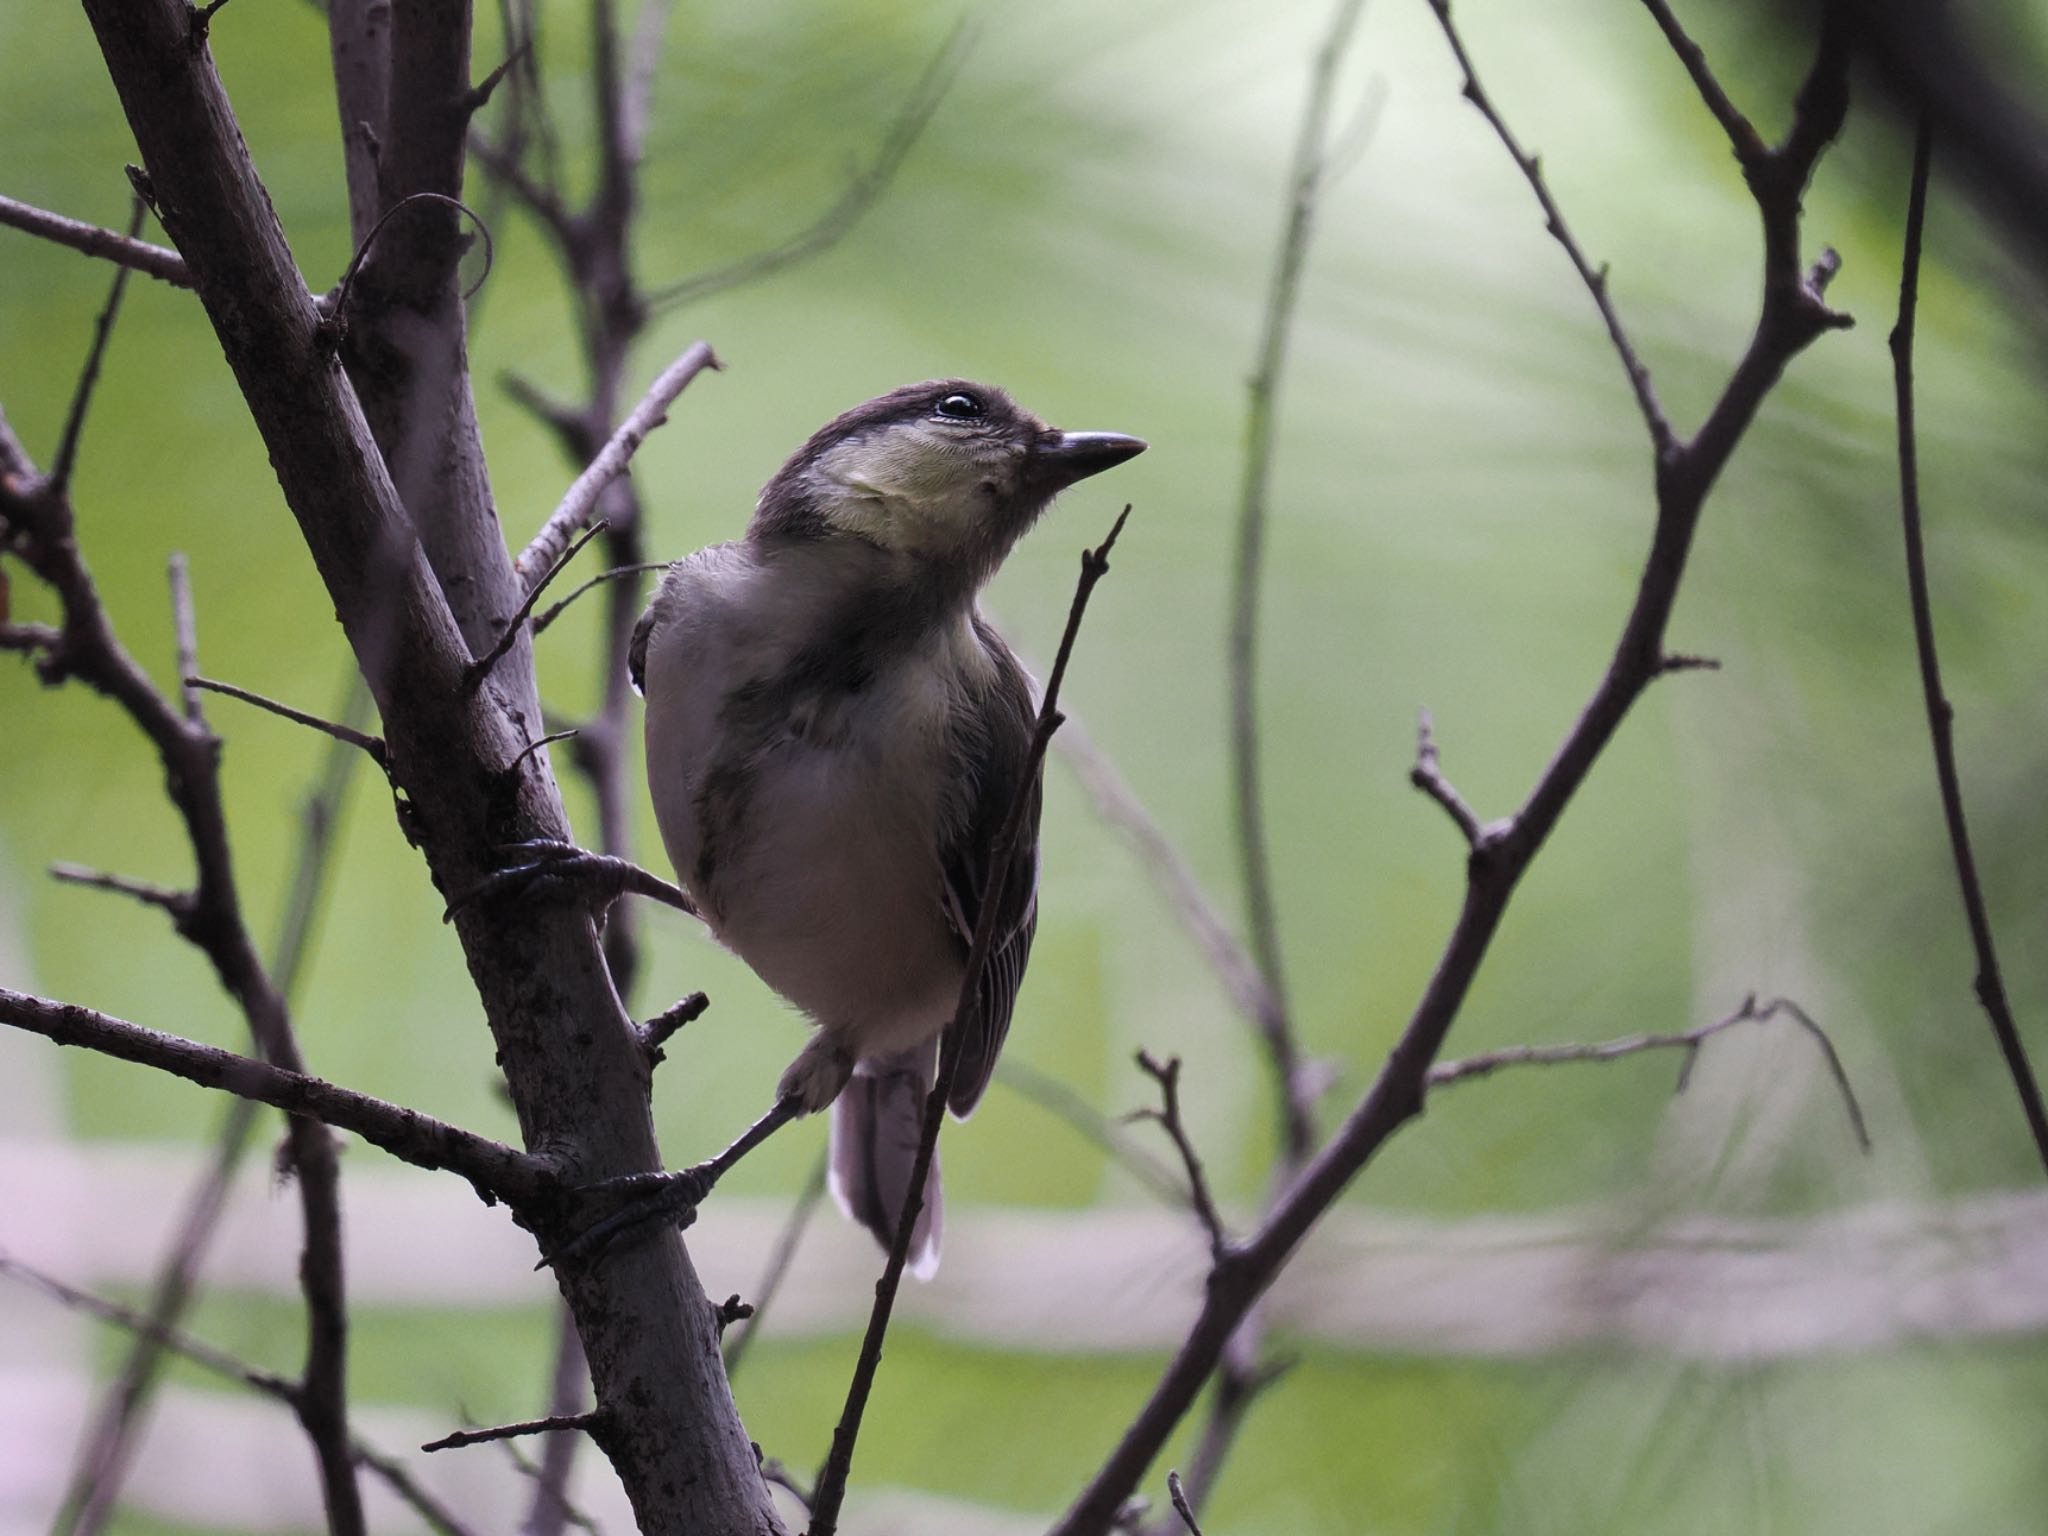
column 994, row 755
column 875, row 1125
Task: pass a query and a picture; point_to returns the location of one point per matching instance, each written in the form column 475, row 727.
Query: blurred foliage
column 1462, row 504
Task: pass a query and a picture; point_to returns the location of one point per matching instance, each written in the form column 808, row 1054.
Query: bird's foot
column 669, row 1199
column 596, row 878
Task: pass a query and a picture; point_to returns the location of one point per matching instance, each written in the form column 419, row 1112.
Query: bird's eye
column 959, row 406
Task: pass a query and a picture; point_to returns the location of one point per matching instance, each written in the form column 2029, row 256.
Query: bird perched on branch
column 834, row 736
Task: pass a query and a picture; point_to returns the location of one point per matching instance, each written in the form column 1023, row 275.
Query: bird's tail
column 875, row 1125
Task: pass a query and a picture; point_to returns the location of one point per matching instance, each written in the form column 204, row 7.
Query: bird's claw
column 669, row 1198
column 598, row 878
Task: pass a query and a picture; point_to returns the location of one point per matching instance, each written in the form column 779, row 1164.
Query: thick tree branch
column 1990, row 980
column 1791, row 316
column 831, row 1490
column 571, row 1060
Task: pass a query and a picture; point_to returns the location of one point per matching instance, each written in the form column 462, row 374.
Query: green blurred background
column 1461, row 504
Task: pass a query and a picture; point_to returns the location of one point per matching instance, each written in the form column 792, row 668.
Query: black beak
column 1065, row 457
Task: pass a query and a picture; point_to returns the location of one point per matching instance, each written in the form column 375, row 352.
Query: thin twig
column 580, row 1422
column 1117, row 803
column 1304, row 182
column 1990, row 980
column 219, row 1362
column 581, row 498
column 537, row 743
column 371, row 746
column 737, row 1344
column 1056, row 1098
column 1445, row 1073
column 1743, row 138
column 1181, row 1506
column 177, row 903
column 185, row 627
column 66, row 457
column 1428, row 776
column 862, row 191
column 480, row 669
column 553, row 611
column 831, row 1489
column 1167, row 1075
column 155, row 261
column 1662, row 438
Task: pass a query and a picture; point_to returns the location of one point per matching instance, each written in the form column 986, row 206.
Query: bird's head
column 946, row 475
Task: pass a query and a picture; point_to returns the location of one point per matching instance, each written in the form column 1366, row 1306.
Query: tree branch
column 138, row 255
column 1445, row 1073
column 1167, row 1075
column 581, row 498
column 1792, row 315
column 496, row 1171
column 831, row 1490
column 1990, row 980
column 1662, row 439
column 861, row 193
column 220, row 1363
column 579, row 1422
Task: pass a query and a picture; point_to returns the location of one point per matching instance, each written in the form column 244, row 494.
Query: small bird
column 834, row 735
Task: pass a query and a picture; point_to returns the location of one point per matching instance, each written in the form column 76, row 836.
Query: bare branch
column 1445, row 1073
column 539, row 742
column 177, row 903
column 185, row 628
column 1056, row 1098
column 1305, row 180
column 1791, row 316
column 220, row 1363
column 659, row 1030
column 1743, row 138
column 862, row 191
column 581, row 499
column 1181, row 1506
column 1428, row 776
column 138, row 255
column 496, row 1171
column 1990, row 980
column 1118, row 804
column 480, row 669
column 553, row 611
column 66, row 456
column 1662, row 438
column 582, row 1422
column 779, row 1261
column 1167, row 1075
column 107, row 1446
column 371, row 746
column 831, row 1489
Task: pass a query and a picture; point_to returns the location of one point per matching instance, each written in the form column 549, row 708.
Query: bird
column 834, row 734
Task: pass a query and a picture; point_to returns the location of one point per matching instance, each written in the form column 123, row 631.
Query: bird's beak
column 1062, row 459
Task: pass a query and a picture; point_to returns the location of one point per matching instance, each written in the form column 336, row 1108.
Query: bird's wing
column 994, row 753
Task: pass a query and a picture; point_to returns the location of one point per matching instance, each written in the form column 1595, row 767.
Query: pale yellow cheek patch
column 910, row 489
